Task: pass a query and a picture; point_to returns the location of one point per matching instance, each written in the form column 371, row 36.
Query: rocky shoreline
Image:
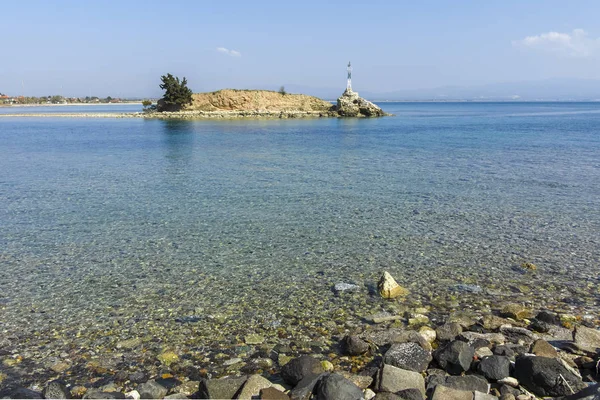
column 188, row 115
column 403, row 353
column 259, row 114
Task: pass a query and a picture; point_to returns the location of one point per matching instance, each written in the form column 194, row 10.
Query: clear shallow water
column 112, row 229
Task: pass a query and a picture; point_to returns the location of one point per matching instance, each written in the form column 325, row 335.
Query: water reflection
column 178, row 138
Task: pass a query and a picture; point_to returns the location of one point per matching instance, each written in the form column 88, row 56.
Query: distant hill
column 249, row 100
column 565, row 89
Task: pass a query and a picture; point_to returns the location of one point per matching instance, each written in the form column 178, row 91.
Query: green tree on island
column 177, row 94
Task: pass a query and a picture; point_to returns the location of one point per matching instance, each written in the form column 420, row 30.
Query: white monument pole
column 349, row 84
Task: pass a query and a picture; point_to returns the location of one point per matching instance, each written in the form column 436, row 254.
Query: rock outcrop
column 350, row 104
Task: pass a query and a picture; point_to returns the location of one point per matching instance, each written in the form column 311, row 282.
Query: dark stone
column 354, row 346
column 469, row 383
column 476, row 328
column 478, row 340
column 505, row 389
column 281, row 348
column 138, row 377
column 336, row 387
column 97, row 394
column 455, row 357
column 448, row 331
column 306, row 387
column 409, row 356
column 504, row 350
column 410, row 394
column 168, row 383
column 192, row 373
column 589, row 375
column 56, row 390
column 299, row 368
column 518, row 349
column 24, row 393
column 546, row 376
column 369, row 370
column 494, row 367
column 478, row 343
column 224, row 388
column 434, row 380
column 518, row 335
column 273, row 394
column 539, row 326
column 386, row 396
column 589, row 393
column 152, row 390
column 121, row 376
column 548, row 317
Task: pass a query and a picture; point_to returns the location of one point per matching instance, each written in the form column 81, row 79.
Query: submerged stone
column 300, row 368
column 254, row 339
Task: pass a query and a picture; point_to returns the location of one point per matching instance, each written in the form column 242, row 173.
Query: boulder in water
column 350, row 104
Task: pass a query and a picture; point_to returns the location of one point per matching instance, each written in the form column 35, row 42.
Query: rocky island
column 234, row 103
column 240, row 104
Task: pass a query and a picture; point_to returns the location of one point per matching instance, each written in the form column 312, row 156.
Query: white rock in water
column 389, row 288
column 350, row 104
column 345, row 287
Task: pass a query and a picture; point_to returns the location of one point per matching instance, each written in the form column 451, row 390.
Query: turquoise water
column 244, row 226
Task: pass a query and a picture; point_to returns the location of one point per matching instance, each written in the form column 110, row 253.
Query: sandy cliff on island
column 234, row 103
column 256, row 100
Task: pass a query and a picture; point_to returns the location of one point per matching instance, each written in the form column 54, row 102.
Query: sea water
column 112, row 229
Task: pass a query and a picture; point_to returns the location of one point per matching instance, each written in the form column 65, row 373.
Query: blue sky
column 121, row 48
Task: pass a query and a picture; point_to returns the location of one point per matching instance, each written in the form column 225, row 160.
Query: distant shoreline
column 70, row 104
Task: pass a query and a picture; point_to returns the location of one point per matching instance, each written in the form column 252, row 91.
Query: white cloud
column 232, row 53
column 575, row 44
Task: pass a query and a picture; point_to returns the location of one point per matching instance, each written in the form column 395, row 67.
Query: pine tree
column 177, row 94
